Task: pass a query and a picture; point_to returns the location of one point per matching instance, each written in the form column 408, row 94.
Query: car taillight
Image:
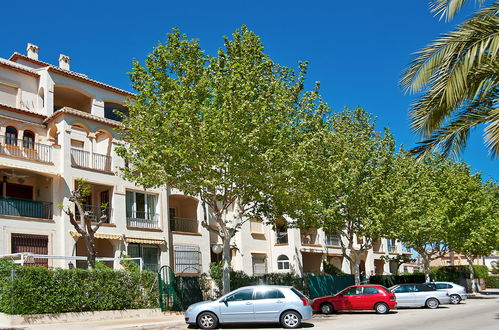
column 393, row 298
column 305, row 301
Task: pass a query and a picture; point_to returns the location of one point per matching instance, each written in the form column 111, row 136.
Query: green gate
column 166, row 283
column 320, row 286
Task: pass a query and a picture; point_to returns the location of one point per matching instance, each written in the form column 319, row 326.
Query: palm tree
column 458, row 76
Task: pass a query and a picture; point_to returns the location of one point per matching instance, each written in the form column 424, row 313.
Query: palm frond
column 448, row 8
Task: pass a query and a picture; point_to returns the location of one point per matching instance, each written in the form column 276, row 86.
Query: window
column 370, row 290
column 29, row 140
column 281, row 231
column 140, row 205
column 187, row 259
column 404, row 289
column 332, row 240
column 422, row 287
column 77, row 144
column 443, row 286
column 148, row 253
column 11, row 135
column 110, row 109
column 353, row 291
column 282, row 262
column 259, row 264
column 268, row 294
column 36, row 244
column 390, row 244
column 241, row 295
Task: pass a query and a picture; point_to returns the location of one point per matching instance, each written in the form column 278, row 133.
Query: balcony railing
column 25, row 208
column 82, row 158
column 27, row 149
column 95, row 212
column 142, row 220
column 185, row 225
column 309, row 238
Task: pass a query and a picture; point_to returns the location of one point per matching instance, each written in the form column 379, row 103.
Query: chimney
column 64, row 62
column 32, row 51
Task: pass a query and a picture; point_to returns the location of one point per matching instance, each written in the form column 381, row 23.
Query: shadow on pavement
column 254, row 326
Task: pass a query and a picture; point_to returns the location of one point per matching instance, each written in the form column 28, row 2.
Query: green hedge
column 492, row 282
column 38, row 290
column 390, row 280
column 455, row 273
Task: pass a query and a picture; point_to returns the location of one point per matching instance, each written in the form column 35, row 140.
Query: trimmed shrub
column 391, row 280
column 331, row 269
column 492, row 282
column 457, row 274
column 38, row 290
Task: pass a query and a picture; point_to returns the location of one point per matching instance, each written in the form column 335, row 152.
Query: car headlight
column 189, row 309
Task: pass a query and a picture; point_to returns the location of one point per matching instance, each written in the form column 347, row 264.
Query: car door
column 421, row 293
column 238, row 307
column 352, row 298
column 268, row 304
column 369, row 297
column 404, row 295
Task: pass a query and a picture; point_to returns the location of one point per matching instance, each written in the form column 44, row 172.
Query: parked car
column 263, row 303
column 457, row 293
column 419, row 295
column 357, row 297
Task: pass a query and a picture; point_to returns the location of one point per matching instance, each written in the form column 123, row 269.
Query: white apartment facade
column 57, row 126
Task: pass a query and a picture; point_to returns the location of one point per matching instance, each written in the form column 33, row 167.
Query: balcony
column 282, row 237
column 25, row 208
column 309, row 238
column 85, row 159
column 26, row 149
column 142, row 220
column 184, row 225
column 95, row 212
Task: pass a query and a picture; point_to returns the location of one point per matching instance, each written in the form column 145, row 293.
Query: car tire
column 381, row 308
column 290, row 320
column 455, row 299
column 207, row 320
column 327, row 308
column 432, row 303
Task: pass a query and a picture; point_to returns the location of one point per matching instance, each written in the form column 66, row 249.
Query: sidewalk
column 161, row 322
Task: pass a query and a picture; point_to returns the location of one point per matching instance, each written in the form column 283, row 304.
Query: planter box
column 16, row 320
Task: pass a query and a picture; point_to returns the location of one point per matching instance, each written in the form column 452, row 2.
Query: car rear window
column 268, row 294
column 298, row 293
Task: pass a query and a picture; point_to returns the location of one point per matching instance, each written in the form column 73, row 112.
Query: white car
column 251, row 304
column 457, row 293
column 419, row 295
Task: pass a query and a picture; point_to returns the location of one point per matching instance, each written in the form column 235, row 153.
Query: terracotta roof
column 27, row 112
column 71, row 74
column 81, row 114
column 18, row 67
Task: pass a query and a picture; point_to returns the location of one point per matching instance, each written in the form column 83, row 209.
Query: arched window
column 282, row 262
column 11, row 135
column 29, row 140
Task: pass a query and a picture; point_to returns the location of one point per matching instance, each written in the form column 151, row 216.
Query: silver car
column 418, row 295
column 262, row 303
column 456, row 292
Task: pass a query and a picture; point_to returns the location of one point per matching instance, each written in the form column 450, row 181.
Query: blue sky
column 356, row 49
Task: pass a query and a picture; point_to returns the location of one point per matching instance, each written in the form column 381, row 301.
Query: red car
column 357, row 297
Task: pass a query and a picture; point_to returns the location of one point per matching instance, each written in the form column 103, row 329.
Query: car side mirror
column 223, row 300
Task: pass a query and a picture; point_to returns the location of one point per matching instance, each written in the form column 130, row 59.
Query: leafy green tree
column 399, row 260
column 474, row 231
column 217, row 128
column 341, row 174
column 458, row 77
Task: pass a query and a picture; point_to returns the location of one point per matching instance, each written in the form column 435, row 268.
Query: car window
column 432, row 285
column 370, row 290
column 245, row 294
column 442, row 286
column 353, row 291
column 423, row 287
column 269, row 294
column 298, row 293
column 404, row 288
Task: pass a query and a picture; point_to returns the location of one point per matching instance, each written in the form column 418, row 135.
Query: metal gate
column 166, row 284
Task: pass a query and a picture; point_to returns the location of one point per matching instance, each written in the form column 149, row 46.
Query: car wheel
column 432, row 303
column 327, row 308
column 381, row 308
column 455, row 299
column 291, row 320
column 207, row 320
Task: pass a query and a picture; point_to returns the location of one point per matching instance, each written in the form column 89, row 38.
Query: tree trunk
column 426, row 267
column 227, row 257
column 356, row 267
column 474, row 286
column 91, row 252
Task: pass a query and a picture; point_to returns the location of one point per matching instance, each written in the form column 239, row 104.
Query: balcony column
column 20, row 134
column 91, row 138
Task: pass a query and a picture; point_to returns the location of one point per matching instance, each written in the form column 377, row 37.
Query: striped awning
column 98, row 235
column 144, row 240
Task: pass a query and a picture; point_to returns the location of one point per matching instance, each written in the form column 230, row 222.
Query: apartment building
column 57, row 126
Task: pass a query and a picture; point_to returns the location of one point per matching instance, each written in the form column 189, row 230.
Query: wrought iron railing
column 142, row 219
column 82, row 158
column 95, row 212
column 26, row 208
column 27, row 149
column 282, row 237
column 185, row 225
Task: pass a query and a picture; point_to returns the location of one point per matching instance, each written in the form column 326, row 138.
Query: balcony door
column 19, row 191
